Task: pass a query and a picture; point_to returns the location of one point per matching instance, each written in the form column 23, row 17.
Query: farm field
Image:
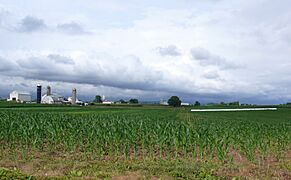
column 148, row 142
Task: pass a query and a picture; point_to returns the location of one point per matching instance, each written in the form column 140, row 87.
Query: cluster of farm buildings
column 50, row 98
column 47, row 98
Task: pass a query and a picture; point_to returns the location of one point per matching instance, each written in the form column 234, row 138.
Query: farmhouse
column 19, row 96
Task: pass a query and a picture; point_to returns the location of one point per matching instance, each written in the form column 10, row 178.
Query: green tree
column 174, row 101
column 133, row 101
column 236, row 103
column 122, row 101
column 197, row 103
column 98, row 99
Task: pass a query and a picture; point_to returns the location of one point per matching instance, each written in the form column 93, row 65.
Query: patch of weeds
column 177, row 169
column 178, row 174
column 286, row 166
column 6, row 174
column 102, row 175
column 76, row 173
column 206, row 174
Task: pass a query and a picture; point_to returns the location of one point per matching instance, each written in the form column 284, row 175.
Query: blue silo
column 38, row 94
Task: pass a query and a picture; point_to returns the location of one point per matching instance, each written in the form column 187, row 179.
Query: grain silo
column 50, row 98
column 74, row 96
column 38, row 94
column 48, row 91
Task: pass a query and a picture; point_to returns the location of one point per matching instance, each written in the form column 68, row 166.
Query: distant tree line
column 133, row 101
column 98, row 99
column 176, row 102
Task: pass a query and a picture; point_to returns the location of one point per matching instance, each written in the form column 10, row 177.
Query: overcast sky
column 206, row 50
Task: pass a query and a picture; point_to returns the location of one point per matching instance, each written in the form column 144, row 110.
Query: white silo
column 103, row 98
column 74, row 96
column 48, row 91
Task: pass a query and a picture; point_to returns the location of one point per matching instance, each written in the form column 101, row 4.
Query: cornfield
column 148, row 133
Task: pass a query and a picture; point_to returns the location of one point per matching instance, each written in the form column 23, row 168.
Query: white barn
column 52, row 99
column 19, row 96
column 77, row 100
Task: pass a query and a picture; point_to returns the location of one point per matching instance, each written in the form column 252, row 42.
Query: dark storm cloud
column 38, row 67
column 170, row 50
column 61, row 59
column 126, row 72
column 71, row 28
column 31, row 24
column 205, row 58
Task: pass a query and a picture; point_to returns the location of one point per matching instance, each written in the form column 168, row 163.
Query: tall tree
column 197, row 103
column 122, row 101
column 98, row 99
column 133, row 101
column 174, row 101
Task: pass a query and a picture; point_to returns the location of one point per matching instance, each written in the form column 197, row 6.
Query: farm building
column 50, row 98
column 77, row 101
column 73, row 99
column 162, row 102
column 185, row 104
column 19, row 96
column 107, row 102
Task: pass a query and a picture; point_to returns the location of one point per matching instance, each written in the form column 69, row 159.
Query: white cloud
column 61, row 59
column 71, row 28
column 170, row 50
column 211, row 75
